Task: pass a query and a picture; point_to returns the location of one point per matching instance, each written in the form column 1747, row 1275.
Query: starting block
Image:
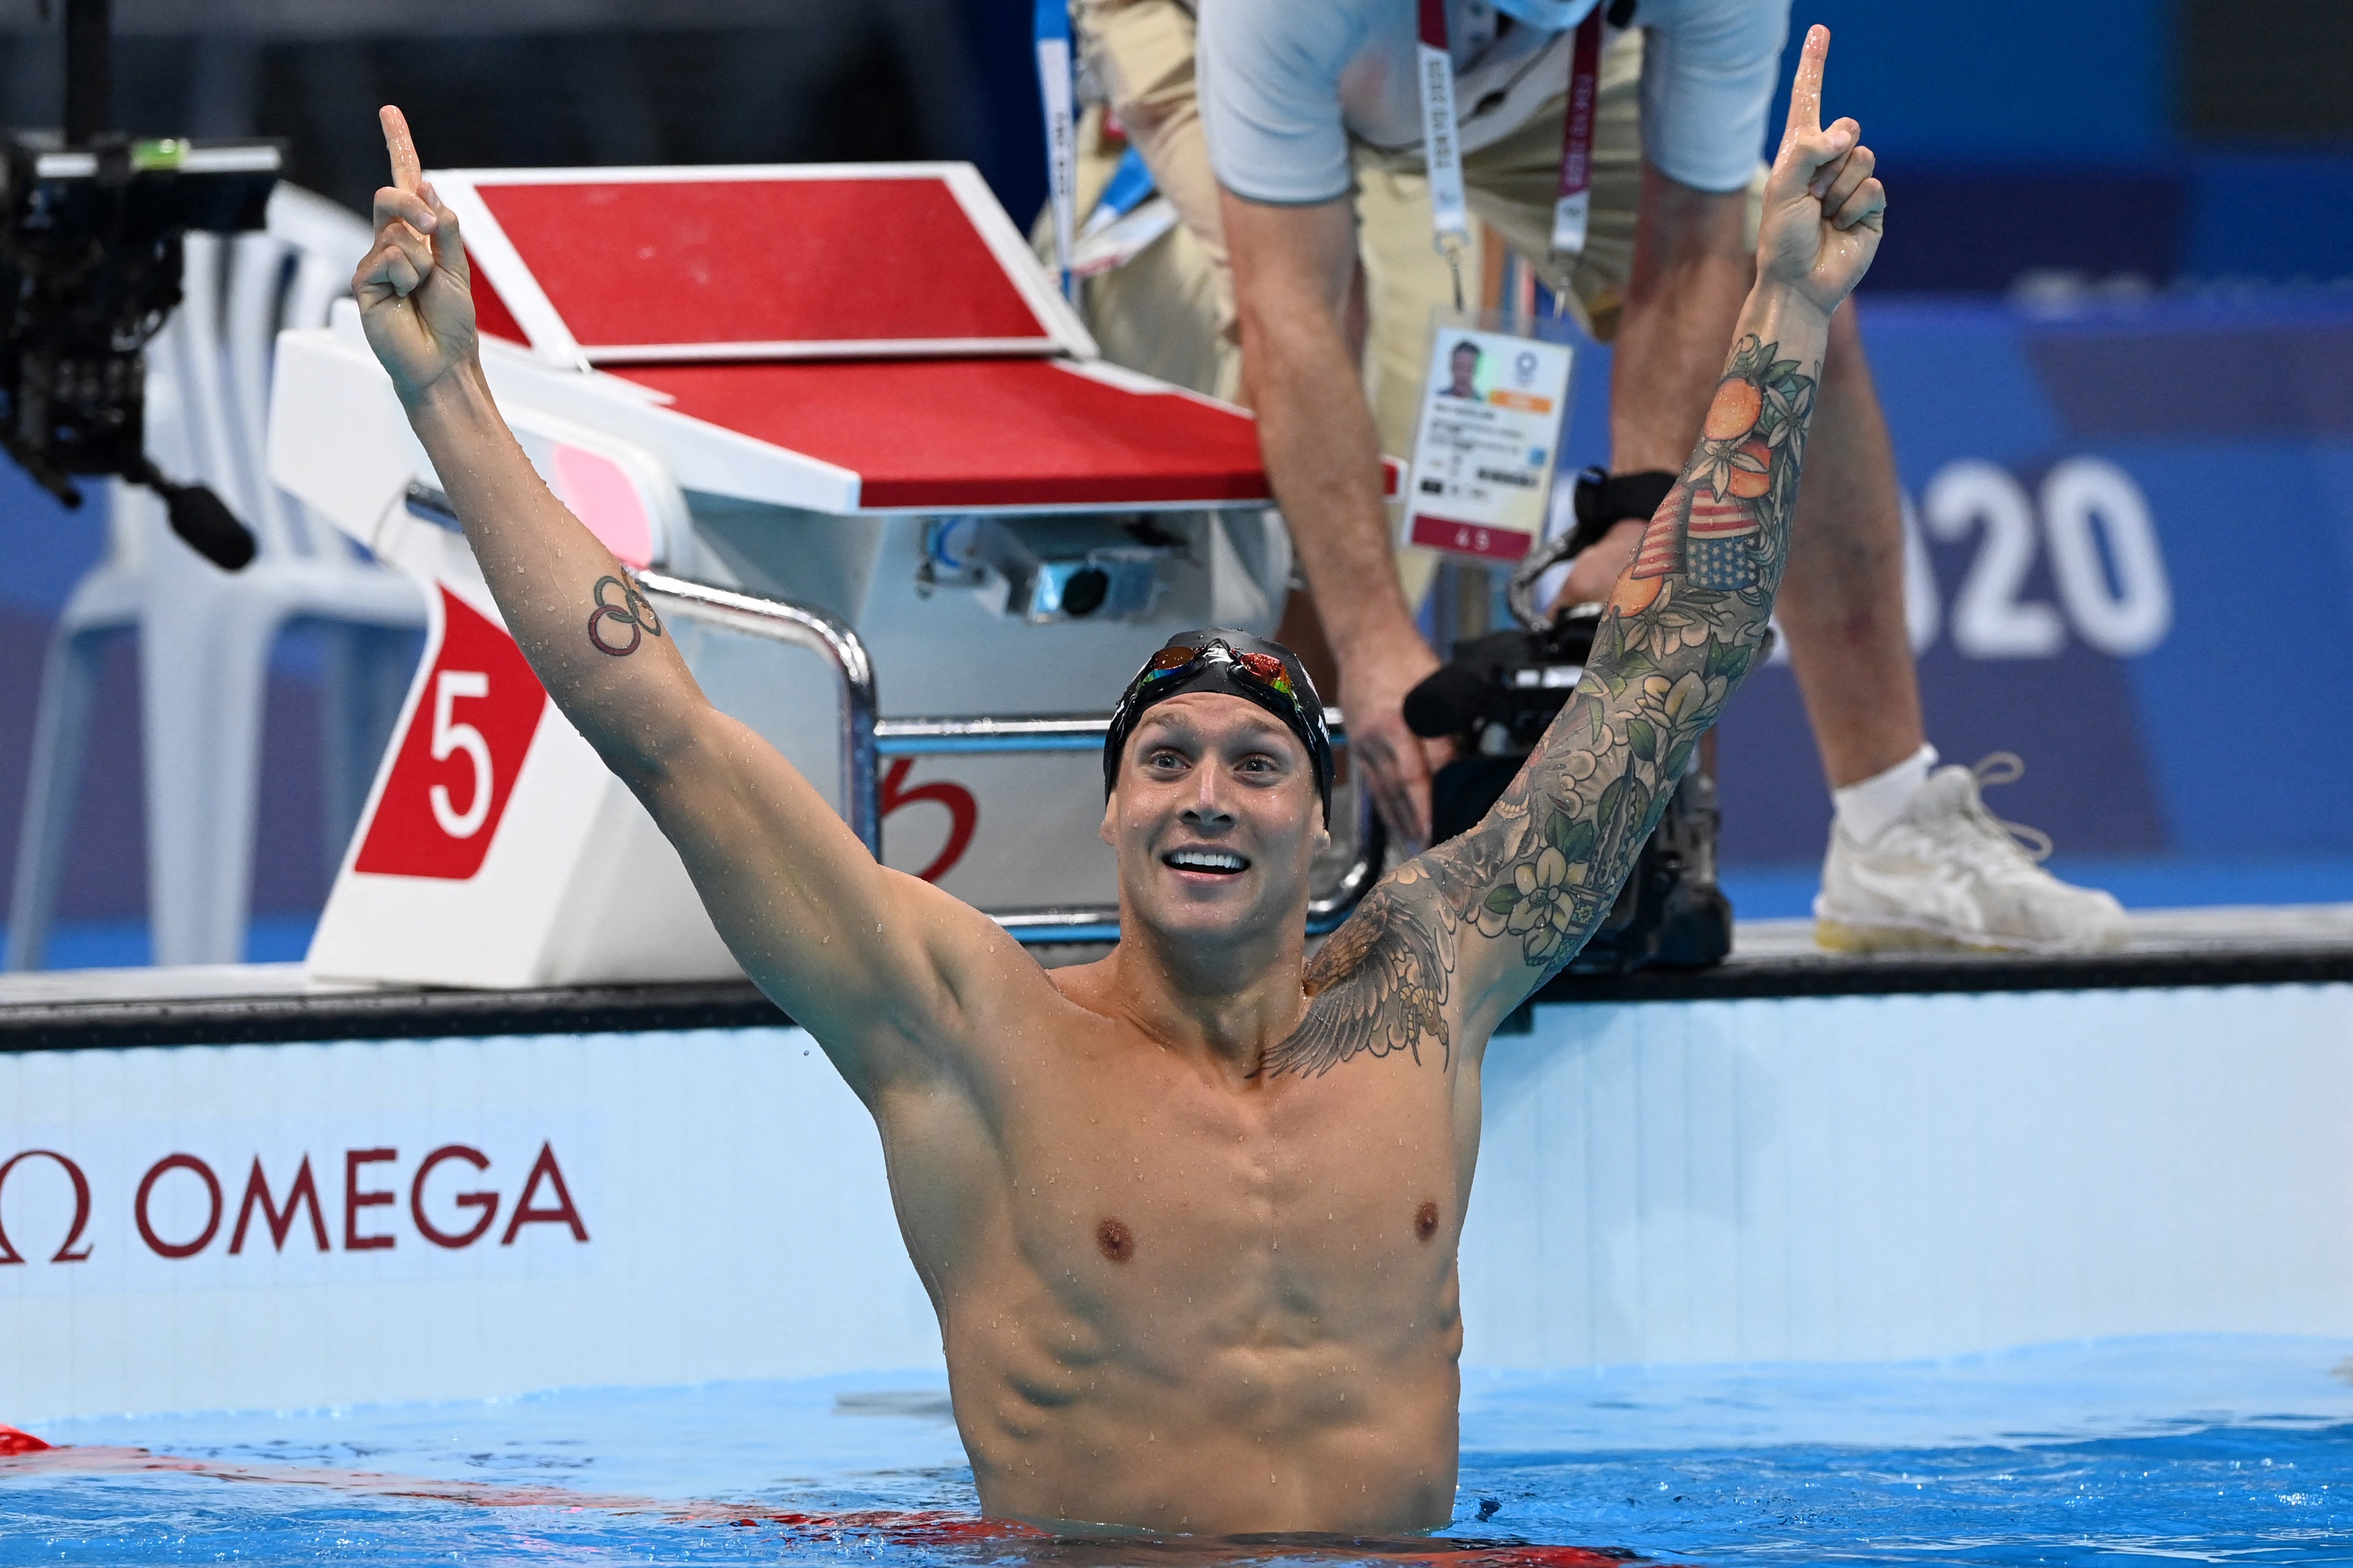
column 901, row 517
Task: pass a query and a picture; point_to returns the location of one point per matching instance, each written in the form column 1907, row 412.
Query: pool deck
column 262, row 1003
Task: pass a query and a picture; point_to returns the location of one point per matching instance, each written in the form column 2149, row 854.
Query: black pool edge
column 415, row 1014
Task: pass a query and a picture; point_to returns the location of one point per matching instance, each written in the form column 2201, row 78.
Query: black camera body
column 89, row 268
column 91, row 225
column 1495, row 702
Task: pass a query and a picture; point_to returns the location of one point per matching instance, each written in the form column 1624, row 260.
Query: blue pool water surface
column 2198, row 1449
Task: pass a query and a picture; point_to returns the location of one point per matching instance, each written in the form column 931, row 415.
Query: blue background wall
column 2213, row 767
column 2004, row 80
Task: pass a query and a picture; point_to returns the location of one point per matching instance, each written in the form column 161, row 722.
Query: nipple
column 1116, row 1241
column 1425, row 1221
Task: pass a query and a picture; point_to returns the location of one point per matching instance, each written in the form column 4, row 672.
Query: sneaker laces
column 2003, row 768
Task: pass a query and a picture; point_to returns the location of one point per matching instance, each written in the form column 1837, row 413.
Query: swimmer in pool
column 1188, row 1214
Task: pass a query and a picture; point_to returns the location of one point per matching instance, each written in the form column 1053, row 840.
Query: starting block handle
column 779, row 620
column 866, row 738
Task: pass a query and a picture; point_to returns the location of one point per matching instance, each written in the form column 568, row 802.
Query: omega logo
column 66, row 1253
column 544, row 1198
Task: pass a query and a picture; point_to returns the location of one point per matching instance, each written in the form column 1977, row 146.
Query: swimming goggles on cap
column 1260, row 677
column 1263, row 668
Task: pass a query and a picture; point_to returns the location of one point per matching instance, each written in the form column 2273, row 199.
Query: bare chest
column 1281, row 1213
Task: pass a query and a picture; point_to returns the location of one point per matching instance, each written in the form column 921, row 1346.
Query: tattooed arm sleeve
column 1459, row 936
column 1681, row 629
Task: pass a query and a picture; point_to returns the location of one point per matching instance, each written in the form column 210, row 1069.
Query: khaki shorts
column 1170, row 312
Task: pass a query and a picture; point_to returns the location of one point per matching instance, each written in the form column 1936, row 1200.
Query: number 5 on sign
column 448, row 685
column 453, row 769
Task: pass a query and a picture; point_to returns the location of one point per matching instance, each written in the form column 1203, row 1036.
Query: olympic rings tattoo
column 632, row 611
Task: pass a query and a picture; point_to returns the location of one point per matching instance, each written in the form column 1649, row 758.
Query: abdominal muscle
column 1324, row 1437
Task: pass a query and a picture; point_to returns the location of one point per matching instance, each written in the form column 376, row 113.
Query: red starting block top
column 767, row 261
column 950, row 434
column 884, row 320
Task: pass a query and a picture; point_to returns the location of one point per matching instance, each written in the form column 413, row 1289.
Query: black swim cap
column 1218, row 659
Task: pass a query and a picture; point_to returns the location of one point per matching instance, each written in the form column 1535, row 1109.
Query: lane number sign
column 454, row 769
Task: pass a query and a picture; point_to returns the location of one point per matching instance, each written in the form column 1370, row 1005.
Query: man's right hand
column 416, row 301
column 1596, row 567
column 1372, row 688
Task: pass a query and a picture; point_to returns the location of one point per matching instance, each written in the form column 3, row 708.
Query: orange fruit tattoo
column 1734, row 413
column 1633, row 595
column 1746, row 485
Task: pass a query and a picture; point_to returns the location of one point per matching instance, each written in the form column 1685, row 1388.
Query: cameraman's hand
column 1823, row 210
column 416, row 303
column 1396, row 762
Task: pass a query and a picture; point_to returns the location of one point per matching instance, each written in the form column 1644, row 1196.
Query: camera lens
column 1084, row 593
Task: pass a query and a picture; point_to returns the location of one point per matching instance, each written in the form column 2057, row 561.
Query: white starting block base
column 1858, row 1177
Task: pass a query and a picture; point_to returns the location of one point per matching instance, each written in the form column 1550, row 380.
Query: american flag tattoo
column 1722, row 550
column 1662, row 551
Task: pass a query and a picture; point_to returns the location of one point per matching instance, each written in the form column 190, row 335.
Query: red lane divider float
column 16, row 1441
column 23, row 1453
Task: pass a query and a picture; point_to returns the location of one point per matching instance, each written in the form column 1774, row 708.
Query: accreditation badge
column 1484, row 455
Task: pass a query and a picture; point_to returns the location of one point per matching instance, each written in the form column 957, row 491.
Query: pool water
column 2203, row 1449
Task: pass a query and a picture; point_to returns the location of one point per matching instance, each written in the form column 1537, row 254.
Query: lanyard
column 1127, row 189
column 1053, row 38
column 1568, row 212
column 1442, row 150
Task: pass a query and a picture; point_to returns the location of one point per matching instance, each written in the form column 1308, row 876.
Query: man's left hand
column 1824, row 212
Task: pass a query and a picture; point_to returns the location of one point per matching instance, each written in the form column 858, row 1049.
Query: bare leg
column 1842, row 601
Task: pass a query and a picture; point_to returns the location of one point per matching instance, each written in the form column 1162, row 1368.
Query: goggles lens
column 1265, row 665
column 1262, row 668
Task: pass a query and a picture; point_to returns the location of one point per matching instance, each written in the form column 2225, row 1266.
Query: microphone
column 202, row 520
column 1447, row 703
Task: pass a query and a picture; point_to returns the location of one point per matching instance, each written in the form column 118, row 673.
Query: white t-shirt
column 1285, row 84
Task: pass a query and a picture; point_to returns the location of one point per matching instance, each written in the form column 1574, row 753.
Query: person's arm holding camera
column 1292, row 267
column 1476, row 924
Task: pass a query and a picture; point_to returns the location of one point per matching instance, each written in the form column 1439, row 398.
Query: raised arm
column 868, row 959
column 1459, row 936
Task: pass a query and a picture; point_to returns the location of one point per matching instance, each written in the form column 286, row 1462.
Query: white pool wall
column 1849, row 1178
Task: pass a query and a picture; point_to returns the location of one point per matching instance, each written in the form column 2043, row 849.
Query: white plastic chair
column 205, row 634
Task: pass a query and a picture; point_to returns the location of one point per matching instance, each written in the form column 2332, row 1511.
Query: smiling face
column 1216, row 819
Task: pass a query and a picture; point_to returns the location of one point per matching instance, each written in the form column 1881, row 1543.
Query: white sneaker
column 1949, row 874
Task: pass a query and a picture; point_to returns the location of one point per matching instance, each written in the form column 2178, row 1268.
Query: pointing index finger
column 407, row 176
column 1806, row 92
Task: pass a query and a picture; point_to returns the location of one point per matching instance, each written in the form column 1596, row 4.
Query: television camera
column 91, row 224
